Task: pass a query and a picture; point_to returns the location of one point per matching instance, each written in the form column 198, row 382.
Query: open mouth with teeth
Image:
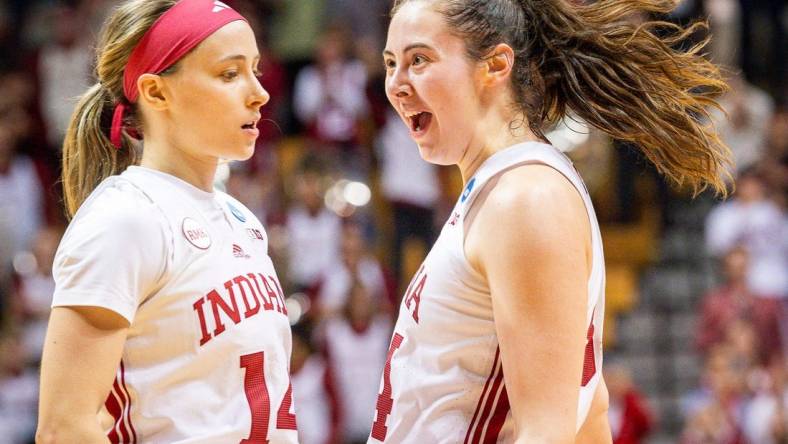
column 420, row 122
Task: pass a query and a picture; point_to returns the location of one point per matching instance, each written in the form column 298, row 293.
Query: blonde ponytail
column 88, row 154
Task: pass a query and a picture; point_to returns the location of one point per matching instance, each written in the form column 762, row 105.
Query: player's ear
column 151, row 89
column 498, row 64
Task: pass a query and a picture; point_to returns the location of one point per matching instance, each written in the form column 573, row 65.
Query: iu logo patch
column 195, row 234
column 219, row 6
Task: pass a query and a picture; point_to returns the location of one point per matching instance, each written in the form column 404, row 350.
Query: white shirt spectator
column 338, row 281
column 18, row 407
column 333, row 100
column 21, row 199
column 64, row 74
column 750, row 111
column 313, row 244
column 311, row 400
column 763, row 229
column 357, row 385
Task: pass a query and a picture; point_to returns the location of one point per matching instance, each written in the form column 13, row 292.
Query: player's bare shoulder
column 527, row 204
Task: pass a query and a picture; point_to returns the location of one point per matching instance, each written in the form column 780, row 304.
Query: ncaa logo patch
column 195, row 234
column 236, row 212
column 468, row 189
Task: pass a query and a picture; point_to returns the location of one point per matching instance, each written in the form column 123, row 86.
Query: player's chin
column 433, row 154
column 241, row 153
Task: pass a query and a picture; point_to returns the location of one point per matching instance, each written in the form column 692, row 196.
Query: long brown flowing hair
column 88, row 154
column 631, row 81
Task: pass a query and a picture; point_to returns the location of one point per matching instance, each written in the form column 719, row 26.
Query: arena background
column 696, row 322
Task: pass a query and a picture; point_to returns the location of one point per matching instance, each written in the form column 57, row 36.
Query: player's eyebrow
column 408, row 48
column 237, row 57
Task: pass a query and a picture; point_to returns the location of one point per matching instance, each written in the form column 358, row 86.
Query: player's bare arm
column 73, row 390
column 532, row 241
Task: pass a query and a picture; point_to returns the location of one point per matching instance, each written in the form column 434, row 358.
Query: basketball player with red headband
column 169, row 323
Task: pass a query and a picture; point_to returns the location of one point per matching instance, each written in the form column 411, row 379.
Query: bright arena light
column 357, row 194
column 345, row 196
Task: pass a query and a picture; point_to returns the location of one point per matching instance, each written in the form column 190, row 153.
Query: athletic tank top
column 443, row 378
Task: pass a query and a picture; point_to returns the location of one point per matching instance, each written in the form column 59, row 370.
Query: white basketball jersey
column 443, row 379
column 208, row 350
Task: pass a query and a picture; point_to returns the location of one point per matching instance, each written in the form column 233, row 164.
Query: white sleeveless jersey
column 443, row 379
column 208, row 350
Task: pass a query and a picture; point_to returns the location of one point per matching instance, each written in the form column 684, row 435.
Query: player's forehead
column 417, row 23
column 233, row 40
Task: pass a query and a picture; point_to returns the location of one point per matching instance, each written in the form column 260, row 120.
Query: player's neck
column 197, row 171
column 496, row 132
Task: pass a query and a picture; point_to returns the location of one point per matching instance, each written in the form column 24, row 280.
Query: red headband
column 173, row 35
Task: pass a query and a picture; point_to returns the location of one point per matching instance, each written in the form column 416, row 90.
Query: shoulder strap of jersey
column 524, row 153
column 172, row 208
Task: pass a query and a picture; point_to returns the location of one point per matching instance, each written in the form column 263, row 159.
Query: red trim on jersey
column 485, row 417
column 483, row 396
column 128, row 405
column 113, row 407
column 589, row 360
column 121, row 423
column 498, row 417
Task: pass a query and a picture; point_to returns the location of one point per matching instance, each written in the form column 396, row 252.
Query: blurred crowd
column 351, row 209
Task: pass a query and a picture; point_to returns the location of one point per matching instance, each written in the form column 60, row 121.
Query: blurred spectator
column 724, row 22
column 296, row 29
column 765, row 417
column 629, row 415
column 745, row 128
column 257, row 187
column 329, row 96
column 775, row 161
column 361, row 337
column 714, row 411
column 313, row 396
column 63, row 71
column 757, row 223
column 20, row 194
column 313, row 231
column 356, row 264
column 36, row 287
column 366, row 19
column 409, row 184
column 18, row 393
column 732, row 301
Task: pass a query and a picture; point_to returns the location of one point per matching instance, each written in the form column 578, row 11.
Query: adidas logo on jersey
column 239, row 252
column 219, row 6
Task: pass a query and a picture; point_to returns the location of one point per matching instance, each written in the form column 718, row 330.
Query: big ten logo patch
column 195, row 233
column 255, row 234
column 413, row 294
